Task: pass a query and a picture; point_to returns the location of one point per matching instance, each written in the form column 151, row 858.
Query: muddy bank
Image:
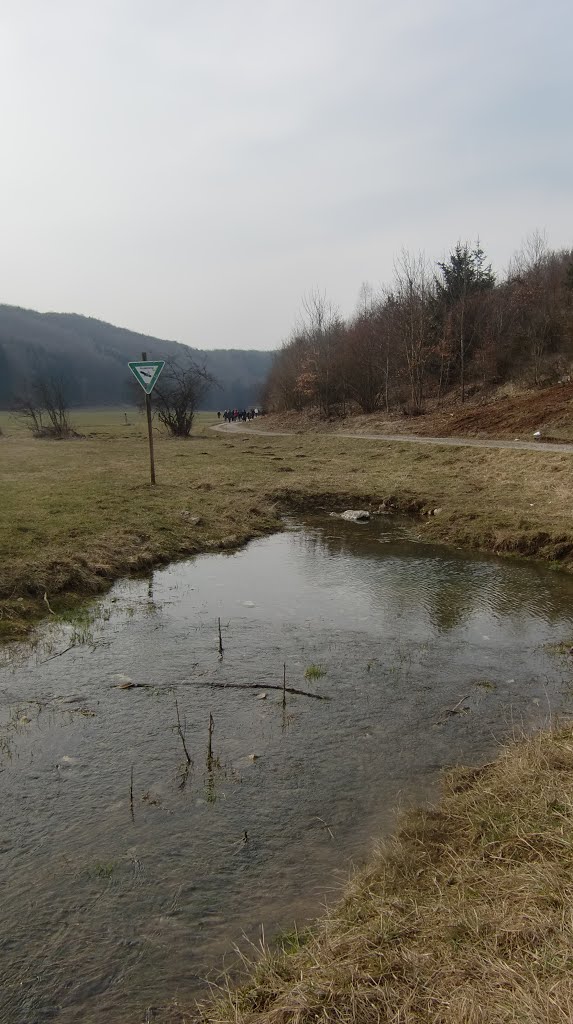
column 449, row 526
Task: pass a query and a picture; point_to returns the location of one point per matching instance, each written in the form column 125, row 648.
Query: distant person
column 218, row 415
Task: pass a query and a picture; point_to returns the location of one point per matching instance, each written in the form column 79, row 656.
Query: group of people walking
column 232, row 415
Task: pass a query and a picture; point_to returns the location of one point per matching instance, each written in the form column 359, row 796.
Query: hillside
column 507, row 413
column 91, row 356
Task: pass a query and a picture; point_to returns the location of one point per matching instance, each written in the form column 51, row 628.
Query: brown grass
column 466, row 917
column 77, row 514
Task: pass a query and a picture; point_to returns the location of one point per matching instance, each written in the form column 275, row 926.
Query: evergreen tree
column 464, row 275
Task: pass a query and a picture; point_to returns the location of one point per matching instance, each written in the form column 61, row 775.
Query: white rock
column 355, row 515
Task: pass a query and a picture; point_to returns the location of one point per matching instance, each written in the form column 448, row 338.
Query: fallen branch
column 324, row 825
column 268, row 686
column 454, row 710
column 132, row 686
column 47, row 603
column 59, row 654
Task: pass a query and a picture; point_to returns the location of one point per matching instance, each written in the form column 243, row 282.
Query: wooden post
column 210, row 747
column 149, row 430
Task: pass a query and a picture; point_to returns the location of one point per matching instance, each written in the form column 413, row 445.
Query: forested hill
column 91, row 357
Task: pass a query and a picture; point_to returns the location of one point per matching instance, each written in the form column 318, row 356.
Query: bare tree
column 410, row 308
column 537, row 280
column 178, row 394
column 367, row 354
column 322, row 327
column 44, row 408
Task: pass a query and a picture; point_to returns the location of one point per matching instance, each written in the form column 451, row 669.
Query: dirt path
column 452, row 442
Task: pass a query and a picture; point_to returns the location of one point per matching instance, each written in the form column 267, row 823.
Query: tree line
column 451, row 325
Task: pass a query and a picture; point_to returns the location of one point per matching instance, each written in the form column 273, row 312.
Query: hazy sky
column 189, row 168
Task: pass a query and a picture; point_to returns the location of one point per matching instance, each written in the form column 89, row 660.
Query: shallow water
column 111, row 905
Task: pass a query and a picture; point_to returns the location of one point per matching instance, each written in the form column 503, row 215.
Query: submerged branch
column 268, row 686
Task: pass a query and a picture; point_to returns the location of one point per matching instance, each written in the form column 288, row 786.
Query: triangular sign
column 147, row 373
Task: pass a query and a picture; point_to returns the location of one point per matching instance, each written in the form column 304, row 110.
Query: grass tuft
column 314, row 672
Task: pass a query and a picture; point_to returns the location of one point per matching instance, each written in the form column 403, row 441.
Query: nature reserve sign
column 147, row 373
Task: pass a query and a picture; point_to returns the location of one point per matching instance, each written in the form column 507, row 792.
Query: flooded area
column 127, row 873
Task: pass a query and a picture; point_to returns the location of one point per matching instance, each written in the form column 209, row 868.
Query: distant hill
column 91, row 357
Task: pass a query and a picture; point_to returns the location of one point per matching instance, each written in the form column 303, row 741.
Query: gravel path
column 452, row 442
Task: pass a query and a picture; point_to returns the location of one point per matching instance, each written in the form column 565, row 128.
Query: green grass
column 77, row 514
column 101, row 870
column 314, row 672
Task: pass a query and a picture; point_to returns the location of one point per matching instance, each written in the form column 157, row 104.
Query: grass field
column 77, row 514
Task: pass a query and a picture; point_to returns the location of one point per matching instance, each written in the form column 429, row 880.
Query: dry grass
column 509, row 412
column 465, row 918
column 77, row 514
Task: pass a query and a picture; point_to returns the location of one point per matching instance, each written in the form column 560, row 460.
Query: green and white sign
column 146, row 373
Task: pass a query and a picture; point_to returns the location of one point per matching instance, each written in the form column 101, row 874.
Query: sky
column 192, row 168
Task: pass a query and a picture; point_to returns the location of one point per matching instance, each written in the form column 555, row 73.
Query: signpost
column 146, row 373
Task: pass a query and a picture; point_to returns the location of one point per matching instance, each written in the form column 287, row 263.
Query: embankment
column 464, row 918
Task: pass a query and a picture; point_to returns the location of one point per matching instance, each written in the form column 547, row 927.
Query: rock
column 355, row 515
column 436, row 511
column 192, row 520
column 261, row 696
column 253, row 757
column 537, row 434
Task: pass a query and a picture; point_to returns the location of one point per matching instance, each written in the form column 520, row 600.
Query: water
column 110, row 906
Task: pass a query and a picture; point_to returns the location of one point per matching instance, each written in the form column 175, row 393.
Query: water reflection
column 451, row 587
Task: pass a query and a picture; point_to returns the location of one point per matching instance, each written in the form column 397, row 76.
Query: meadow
column 77, row 514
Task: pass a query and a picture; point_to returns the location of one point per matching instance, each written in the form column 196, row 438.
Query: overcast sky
column 190, row 168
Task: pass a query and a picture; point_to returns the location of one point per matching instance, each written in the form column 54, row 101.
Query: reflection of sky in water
column 404, row 632
column 346, row 578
